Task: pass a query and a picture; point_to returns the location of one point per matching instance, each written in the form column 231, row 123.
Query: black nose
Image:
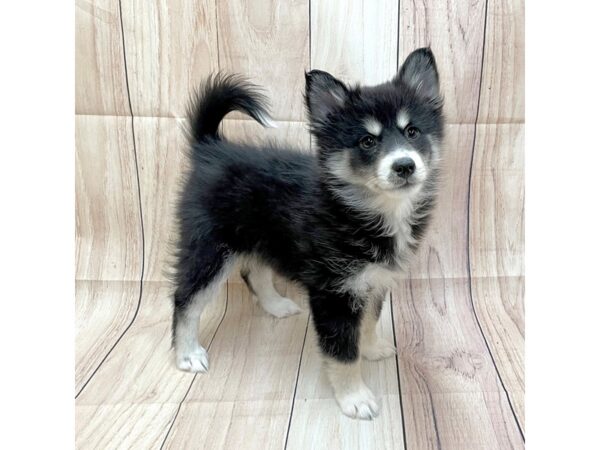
column 404, row 167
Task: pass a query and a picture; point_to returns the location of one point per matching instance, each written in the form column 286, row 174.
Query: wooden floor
column 458, row 318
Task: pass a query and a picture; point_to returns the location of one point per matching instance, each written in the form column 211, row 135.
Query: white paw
column 281, row 307
column 380, row 349
column 194, row 361
column 359, row 404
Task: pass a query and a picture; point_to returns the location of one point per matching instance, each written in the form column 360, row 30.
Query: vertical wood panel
column 100, row 86
column 443, row 253
column 161, row 148
column 451, row 393
column 503, row 84
column 171, row 47
column 134, row 396
column 267, row 40
column 108, row 236
column 454, row 30
column 497, row 250
column 103, row 309
column 355, row 41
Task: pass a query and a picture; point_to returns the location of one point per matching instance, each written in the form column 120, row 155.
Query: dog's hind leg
column 200, row 274
column 259, row 278
column 373, row 347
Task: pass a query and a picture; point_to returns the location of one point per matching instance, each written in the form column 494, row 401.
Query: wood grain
column 497, row 250
column 267, row 40
column 108, row 229
column 246, row 397
column 454, row 30
column 355, row 41
column 317, row 421
column 503, row 79
column 292, row 135
column 451, row 392
column 171, row 47
column 138, row 385
column 100, row 85
column 103, row 309
column 443, row 254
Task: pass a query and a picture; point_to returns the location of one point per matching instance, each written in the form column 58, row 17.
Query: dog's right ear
column 324, row 94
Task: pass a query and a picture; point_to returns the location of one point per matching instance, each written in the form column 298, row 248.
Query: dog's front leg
column 337, row 318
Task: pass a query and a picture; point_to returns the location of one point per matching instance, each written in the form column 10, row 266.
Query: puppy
column 343, row 223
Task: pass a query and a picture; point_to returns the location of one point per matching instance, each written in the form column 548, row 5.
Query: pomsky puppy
column 342, row 223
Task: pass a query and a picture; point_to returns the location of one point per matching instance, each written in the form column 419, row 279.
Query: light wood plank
column 503, row 82
column 267, row 41
column 161, row 148
column 171, row 47
column 451, row 393
column 103, row 309
column 454, row 30
column 108, row 232
column 146, row 349
column 442, row 253
column 355, row 41
column 100, row 85
column 317, row 421
column 497, row 250
column 138, row 386
column 246, row 397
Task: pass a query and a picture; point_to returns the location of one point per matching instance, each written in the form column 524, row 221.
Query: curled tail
column 217, row 97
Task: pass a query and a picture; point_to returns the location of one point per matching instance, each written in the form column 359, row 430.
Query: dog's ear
column 324, row 94
column 419, row 74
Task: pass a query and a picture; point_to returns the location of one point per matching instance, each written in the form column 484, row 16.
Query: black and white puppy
column 342, row 223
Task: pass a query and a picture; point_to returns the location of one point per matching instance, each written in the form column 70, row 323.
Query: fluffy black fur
column 287, row 208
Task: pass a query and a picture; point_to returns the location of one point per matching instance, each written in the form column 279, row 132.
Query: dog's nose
column 404, row 167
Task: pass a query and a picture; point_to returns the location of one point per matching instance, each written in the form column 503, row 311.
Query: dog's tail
column 218, row 96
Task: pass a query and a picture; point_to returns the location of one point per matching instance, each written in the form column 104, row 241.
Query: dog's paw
column 281, row 307
column 380, row 349
column 194, row 361
column 359, row 404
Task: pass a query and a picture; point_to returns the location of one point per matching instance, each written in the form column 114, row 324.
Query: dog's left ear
column 419, row 74
column 324, row 94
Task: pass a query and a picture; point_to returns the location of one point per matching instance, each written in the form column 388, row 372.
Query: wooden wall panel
column 454, row 30
column 503, row 83
column 133, row 398
column 267, row 40
column 443, row 254
column 108, row 231
column 497, row 250
column 451, row 392
column 161, row 147
column 294, row 135
column 100, row 85
column 355, row 41
column 103, row 309
column 171, row 47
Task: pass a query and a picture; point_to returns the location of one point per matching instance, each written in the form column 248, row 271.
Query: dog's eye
column 412, row 132
column 367, row 142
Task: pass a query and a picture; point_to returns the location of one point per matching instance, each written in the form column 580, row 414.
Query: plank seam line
column 398, row 372
column 139, row 192
column 196, row 374
column 469, row 233
column 287, row 433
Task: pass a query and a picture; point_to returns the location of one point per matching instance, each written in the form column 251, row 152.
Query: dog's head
column 383, row 137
